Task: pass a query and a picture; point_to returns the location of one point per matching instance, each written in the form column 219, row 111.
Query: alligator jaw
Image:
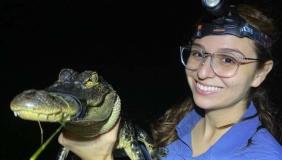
column 28, row 115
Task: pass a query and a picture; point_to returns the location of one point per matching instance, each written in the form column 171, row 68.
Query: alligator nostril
column 30, row 94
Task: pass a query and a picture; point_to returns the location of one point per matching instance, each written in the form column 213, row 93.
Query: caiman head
column 84, row 101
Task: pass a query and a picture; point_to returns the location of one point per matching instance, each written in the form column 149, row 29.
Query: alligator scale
column 88, row 106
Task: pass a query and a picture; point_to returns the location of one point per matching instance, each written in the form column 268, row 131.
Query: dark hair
column 163, row 130
column 259, row 95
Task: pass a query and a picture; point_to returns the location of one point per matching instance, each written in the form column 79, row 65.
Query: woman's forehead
column 215, row 43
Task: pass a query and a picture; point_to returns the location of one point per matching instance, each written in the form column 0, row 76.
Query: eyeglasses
column 224, row 63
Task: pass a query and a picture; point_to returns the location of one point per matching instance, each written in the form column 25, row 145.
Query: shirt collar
column 237, row 136
column 185, row 126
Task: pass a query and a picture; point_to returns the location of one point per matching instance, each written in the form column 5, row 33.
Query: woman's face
column 213, row 92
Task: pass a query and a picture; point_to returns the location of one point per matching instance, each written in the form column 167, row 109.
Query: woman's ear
column 262, row 73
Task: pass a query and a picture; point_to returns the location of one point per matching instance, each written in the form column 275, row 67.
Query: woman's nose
column 205, row 70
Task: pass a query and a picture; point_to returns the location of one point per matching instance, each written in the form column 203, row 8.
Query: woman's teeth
column 206, row 88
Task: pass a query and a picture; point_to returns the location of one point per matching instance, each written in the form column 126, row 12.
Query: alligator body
column 88, row 106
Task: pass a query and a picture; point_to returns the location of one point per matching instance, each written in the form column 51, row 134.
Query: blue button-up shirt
column 233, row 145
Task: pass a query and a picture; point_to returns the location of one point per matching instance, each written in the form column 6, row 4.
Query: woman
column 227, row 118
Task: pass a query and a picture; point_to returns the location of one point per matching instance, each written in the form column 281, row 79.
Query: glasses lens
column 224, row 64
column 191, row 57
column 184, row 51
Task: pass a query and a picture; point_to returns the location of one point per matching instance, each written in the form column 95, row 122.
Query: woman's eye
column 196, row 54
column 228, row 60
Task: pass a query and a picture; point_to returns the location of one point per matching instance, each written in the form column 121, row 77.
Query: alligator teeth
column 43, row 116
column 16, row 114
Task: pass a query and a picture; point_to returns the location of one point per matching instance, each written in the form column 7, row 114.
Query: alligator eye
column 94, row 78
column 88, row 84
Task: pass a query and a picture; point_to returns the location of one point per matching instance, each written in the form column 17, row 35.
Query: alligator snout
column 44, row 106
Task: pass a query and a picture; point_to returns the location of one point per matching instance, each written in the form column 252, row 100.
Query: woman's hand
column 99, row 148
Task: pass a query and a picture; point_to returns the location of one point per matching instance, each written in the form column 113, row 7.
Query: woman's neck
column 215, row 124
column 224, row 117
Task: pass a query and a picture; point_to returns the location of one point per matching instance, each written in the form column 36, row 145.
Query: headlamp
column 228, row 21
column 215, row 7
column 211, row 3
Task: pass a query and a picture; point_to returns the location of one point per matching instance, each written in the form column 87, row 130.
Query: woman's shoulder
column 264, row 138
column 263, row 146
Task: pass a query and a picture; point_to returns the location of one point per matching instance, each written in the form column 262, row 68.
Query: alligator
column 88, row 106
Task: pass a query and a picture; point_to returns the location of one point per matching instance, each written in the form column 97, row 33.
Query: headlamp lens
column 211, row 3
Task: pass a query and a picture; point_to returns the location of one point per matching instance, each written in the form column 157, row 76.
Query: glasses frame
column 207, row 54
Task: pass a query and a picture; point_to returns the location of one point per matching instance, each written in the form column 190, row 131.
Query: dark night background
column 133, row 45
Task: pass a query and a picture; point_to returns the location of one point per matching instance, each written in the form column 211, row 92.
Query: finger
column 61, row 139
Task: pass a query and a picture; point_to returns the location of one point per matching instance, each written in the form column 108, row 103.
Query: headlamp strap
column 232, row 24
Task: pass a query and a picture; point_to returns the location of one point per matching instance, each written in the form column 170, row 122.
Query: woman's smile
column 204, row 89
